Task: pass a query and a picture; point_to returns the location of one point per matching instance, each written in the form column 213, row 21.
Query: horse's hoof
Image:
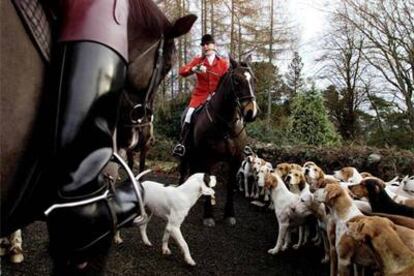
column 190, row 262
column 209, row 222
column 231, row 221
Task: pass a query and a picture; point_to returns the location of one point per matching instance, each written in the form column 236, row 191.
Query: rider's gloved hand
column 199, row 69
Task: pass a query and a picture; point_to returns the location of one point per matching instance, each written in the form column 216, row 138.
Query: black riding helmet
column 206, row 39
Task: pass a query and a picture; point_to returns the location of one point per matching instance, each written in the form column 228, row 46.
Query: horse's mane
column 146, row 16
column 223, row 80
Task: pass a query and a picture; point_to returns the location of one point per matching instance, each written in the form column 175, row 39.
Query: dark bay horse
column 25, row 141
column 218, row 132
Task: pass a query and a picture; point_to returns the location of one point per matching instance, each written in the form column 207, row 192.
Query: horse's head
column 244, row 86
column 151, row 44
column 151, row 52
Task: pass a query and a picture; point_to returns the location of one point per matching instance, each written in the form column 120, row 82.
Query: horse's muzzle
column 250, row 111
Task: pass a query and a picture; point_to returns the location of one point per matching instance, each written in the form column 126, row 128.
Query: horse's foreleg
column 229, row 208
column 142, row 156
column 130, row 158
column 208, row 212
column 183, row 169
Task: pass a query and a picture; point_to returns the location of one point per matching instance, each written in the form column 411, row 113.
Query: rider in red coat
column 209, row 68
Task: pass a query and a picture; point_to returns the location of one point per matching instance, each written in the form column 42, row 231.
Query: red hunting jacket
column 206, row 82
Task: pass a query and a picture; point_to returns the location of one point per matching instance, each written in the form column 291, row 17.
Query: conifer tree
column 294, row 76
column 309, row 122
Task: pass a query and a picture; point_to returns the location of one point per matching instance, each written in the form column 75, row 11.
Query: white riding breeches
column 189, row 114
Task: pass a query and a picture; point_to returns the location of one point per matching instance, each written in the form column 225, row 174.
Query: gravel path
column 222, row 250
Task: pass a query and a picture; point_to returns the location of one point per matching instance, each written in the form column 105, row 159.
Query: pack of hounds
column 365, row 225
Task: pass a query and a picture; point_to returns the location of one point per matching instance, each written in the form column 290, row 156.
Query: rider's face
column 208, row 48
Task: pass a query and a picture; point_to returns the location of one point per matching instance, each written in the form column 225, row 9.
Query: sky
column 311, row 19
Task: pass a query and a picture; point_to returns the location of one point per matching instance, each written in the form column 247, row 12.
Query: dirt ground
column 222, row 250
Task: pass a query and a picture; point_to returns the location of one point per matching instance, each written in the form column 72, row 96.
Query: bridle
column 239, row 101
column 138, row 109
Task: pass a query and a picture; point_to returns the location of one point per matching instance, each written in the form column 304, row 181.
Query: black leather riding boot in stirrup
column 91, row 79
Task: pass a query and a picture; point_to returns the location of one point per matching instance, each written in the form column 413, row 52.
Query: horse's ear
column 247, row 60
column 233, row 62
column 181, row 26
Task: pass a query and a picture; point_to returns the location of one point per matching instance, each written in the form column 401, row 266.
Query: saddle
column 38, row 20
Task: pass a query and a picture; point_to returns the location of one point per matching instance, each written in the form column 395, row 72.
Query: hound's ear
column 302, row 182
column 367, row 230
column 206, row 179
column 233, row 62
column 270, row 181
column 372, row 184
column 333, row 193
column 360, row 226
column 391, row 224
column 321, row 183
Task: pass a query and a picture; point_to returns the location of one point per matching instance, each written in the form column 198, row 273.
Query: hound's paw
column 295, row 246
column 272, row 251
column 118, row 240
column 166, row 251
column 231, row 221
column 190, row 261
column 16, row 255
column 147, row 243
column 3, row 251
column 325, row 260
column 209, row 222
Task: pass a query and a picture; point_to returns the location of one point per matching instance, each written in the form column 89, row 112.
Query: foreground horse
column 25, row 142
column 218, row 133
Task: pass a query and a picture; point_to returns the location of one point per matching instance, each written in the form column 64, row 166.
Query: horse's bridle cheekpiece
column 142, row 109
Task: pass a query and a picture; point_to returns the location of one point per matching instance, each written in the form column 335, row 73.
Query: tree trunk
column 269, row 88
column 232, row 29
column 212, row 18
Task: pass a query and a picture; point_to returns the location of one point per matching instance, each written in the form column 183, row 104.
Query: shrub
column 309, row 123
column 393, row 162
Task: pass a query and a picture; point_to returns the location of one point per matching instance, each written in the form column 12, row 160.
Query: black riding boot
column 91, row 79
column 179, row 150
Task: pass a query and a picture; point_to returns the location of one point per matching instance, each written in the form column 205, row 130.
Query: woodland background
column 361, row 95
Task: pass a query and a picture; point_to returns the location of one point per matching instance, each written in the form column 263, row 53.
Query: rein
column 155, row 78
